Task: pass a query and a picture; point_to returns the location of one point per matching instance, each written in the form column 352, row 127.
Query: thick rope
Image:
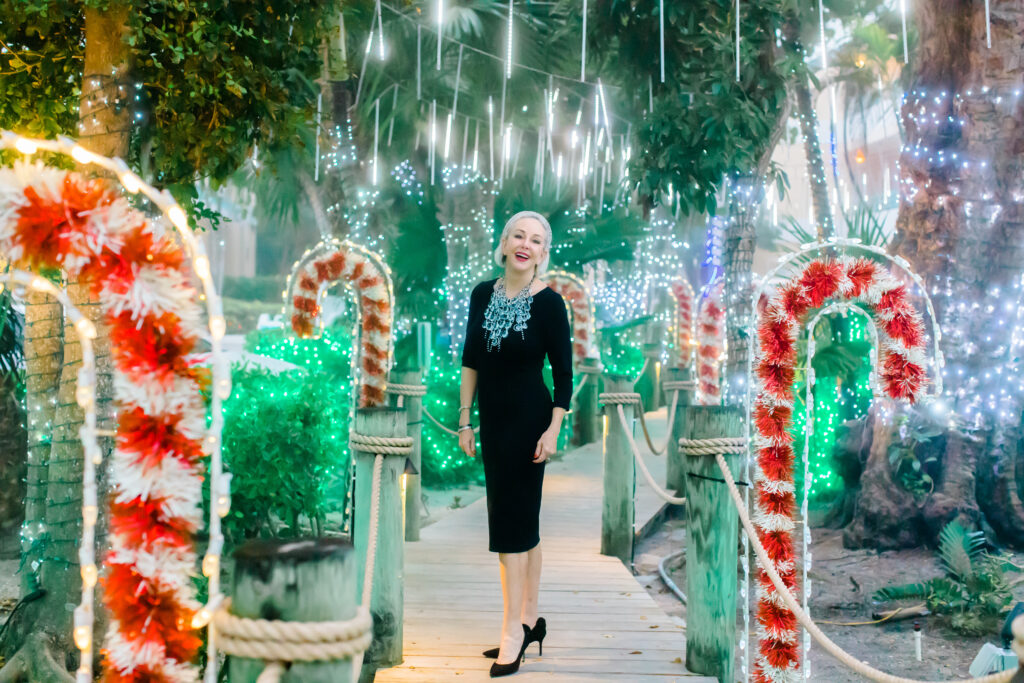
column 612, row 398
column 371, row 550
column 665, row 495
column 725, row 446
column 384, row 445
column 791, row 602
column 576, row 392
column 643, row 369
column 406, row 389
column 441, row 426
column 671, row 423
column 293, row 641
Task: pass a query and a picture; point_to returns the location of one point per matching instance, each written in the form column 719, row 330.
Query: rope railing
column 277, row 642
column 643, row 369
column 619, row 399
column 671, row 422
column 844, row 657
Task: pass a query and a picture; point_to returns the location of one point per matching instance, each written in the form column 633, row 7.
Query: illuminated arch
column 682, row 290
column 584, row 319
column 58, row 219
column 331, row 261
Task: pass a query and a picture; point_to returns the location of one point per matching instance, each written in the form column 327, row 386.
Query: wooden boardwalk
column 602, row 624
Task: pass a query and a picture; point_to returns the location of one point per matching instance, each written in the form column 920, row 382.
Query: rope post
column 647, row 385
column 413, row 403
column 388, row 570
column 617, row 513
column 587, row 413
column 677, row 377
column 712, row 539
column 295, row 580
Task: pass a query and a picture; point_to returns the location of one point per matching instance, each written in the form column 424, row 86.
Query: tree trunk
column 961, row 226
column 808, row 119
column 56, row 498
column 737, row 262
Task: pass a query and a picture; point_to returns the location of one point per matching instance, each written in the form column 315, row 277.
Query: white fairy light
column 661, row 35
column 380, row 32
column 508, row 48
column 583, row 50
column 440, row 30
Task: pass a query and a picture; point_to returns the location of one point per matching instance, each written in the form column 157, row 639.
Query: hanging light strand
column 508, row 48
column 661, row 35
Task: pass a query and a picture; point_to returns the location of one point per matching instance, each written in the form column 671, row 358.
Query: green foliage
column 212, row 79
column 12, row 327
column 974, row 593
column 704, row 124
column 330, row 355
column 266, row 288
column 285, row 443
column 910, row 458
column 620, row 347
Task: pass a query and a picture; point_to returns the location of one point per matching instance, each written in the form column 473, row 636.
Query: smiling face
column 525, row 246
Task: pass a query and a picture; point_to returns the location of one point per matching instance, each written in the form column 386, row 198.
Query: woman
column 514, row 322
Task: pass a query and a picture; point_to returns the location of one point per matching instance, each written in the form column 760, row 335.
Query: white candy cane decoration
column 682, row 290
column 336, row 260
column 710, row 342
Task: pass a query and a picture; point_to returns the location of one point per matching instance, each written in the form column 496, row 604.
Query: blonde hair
column 499, row 258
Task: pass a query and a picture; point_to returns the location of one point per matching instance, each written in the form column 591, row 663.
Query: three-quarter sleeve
column 471, row 350
column 559, row 351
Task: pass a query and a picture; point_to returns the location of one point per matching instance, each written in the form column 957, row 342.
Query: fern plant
column 974, row 593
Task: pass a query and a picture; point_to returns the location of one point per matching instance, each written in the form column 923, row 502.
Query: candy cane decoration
column 901, row 373
column 574, row 291
column 710, row 343
column 683, row 293
column 329, row 262
column 56, row 219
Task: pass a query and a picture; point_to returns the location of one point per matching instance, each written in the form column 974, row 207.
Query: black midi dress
column 515, row 409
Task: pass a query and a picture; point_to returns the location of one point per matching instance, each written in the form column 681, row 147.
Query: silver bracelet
column 465, row 427
column 461, row 408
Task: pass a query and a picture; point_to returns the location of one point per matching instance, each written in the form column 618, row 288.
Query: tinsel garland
column 683, row 293
column 902, row 374
column 344, row 261
column 572, row 289
column 54, row 219
column 710, row 343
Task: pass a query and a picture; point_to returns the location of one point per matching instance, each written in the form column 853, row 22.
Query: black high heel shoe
column 533, row 635
column 499, row 670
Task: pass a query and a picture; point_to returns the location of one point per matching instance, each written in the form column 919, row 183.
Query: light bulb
column 25, row 146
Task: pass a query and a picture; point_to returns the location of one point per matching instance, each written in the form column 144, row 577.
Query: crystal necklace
column 504, row 313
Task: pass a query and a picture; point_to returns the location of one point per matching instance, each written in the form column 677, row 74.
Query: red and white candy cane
column 901, row 373
column 710, row 343
column 366, row 273
column 584, row 320
column 682, row 290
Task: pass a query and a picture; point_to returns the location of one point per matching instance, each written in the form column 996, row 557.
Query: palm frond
column 908, row 591
column 958, row 549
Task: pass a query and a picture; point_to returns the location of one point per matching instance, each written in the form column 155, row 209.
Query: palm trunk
column 808, row 118
column 962, row 228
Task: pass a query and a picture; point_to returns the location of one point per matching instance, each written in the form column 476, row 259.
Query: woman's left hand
column 547, row 446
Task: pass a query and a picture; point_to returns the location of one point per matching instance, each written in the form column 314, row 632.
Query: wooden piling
column 712, row 529
column 295, row 580
column 414, row 423
column 388, row 575
column 617, row 514
column 586, row 426
column 674, row 465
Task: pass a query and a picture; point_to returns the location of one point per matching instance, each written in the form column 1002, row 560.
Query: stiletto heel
column 493, row 652
column 537, row 634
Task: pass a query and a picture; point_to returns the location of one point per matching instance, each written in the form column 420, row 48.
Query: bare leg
column 513, row 582
column 532, row 589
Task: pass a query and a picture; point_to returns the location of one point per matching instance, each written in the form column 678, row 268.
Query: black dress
column 515, row 409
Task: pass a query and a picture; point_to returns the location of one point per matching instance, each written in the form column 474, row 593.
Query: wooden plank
column 712, row 529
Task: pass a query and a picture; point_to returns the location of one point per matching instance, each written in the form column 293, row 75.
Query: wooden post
column 388, row 573
column 295, row 580
column 674, row 469
column 617, row 513
column 712, row 528
column 647, row 385
column 414, row 424
column 588, row 419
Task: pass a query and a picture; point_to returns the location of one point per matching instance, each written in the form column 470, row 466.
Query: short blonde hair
column 499, row 258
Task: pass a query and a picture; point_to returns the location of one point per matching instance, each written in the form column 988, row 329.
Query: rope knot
column 406, row 389
column 384, row 445
column 724, row 445
column 612, row 398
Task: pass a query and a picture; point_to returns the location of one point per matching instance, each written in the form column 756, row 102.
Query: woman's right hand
column 467, row 442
